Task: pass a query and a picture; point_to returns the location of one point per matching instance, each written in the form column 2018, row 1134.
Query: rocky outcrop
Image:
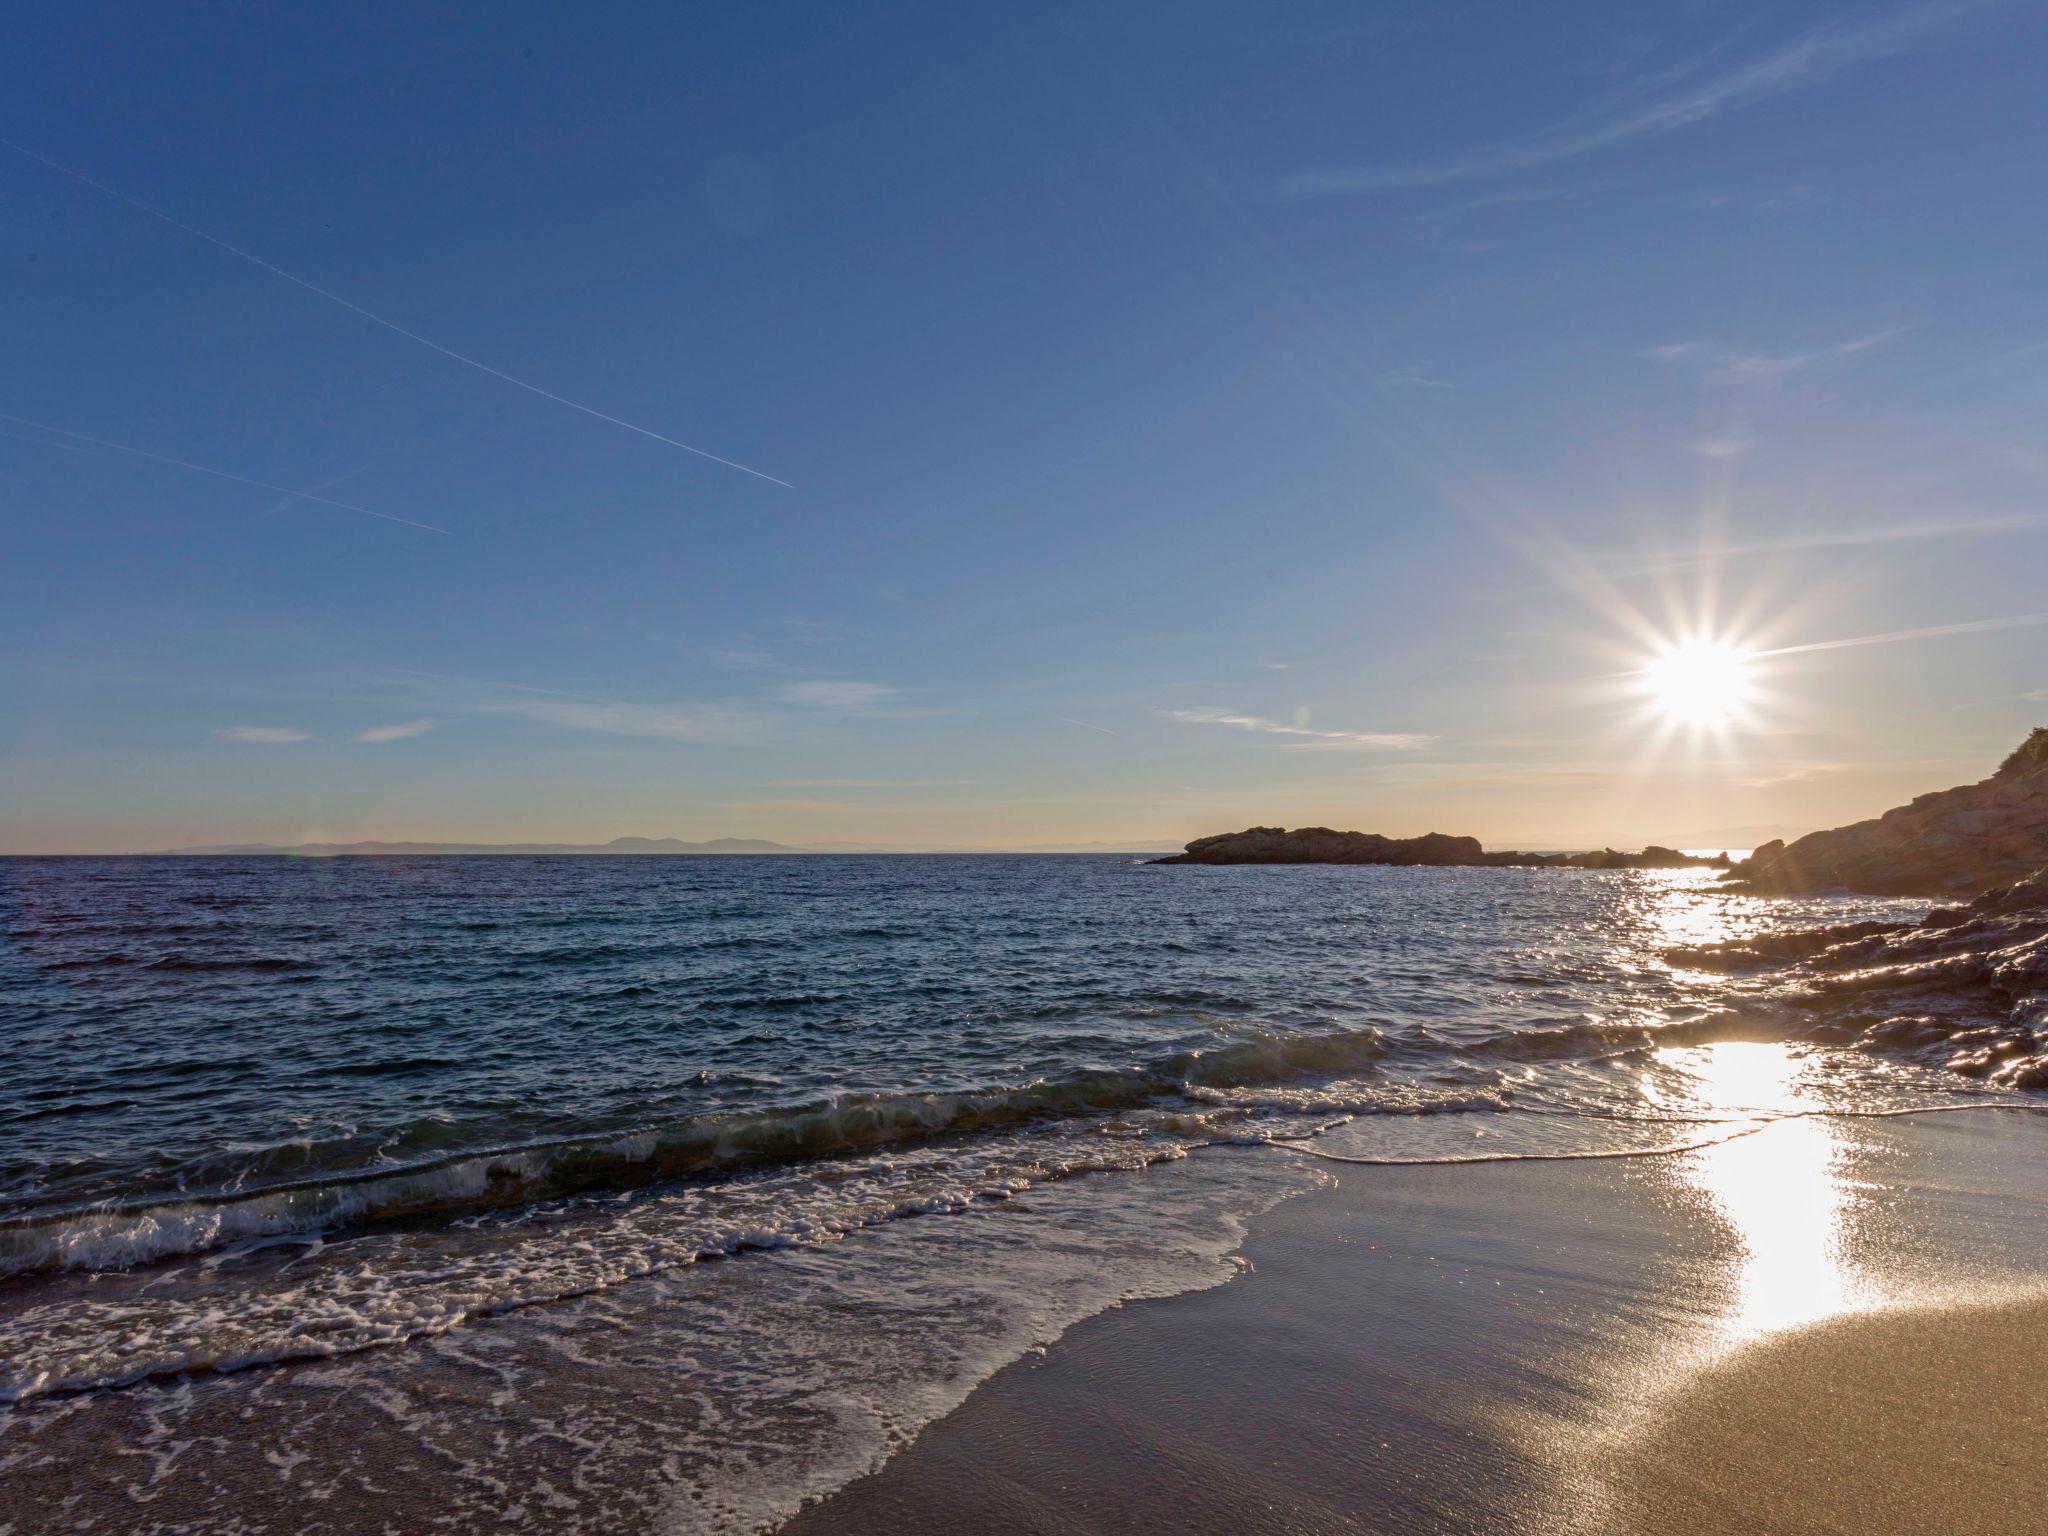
column 1965, row 988
column 1953, row 842
column 1652, row 857
column 1321, row 845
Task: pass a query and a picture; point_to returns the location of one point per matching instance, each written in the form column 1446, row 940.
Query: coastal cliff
column 1952, row 842
column 1322, row 845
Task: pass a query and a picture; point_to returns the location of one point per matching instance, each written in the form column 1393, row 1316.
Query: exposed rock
column 1951, row 842
column 1652, row 857
column 1321, row 845
column 1964, row 988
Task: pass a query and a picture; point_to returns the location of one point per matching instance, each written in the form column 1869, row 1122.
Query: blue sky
column 1178, row 418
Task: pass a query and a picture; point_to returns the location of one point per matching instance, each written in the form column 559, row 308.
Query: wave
column 118, row 1234
column 325, row 1303
column 1256, row 1077
column 307, row 1309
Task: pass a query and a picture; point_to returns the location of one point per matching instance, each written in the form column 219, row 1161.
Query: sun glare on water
column 1700, row 683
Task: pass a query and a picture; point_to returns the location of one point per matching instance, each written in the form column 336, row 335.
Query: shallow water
column 268, row 1110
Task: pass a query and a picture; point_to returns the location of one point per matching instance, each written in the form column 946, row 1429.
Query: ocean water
column 668, row 1193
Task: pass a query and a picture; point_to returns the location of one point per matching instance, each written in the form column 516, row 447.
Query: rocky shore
column 1964, row 988
column 1322, row 845
column 1952, row 842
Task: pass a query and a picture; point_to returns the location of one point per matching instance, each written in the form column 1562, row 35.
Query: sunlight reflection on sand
column 1782, row 1191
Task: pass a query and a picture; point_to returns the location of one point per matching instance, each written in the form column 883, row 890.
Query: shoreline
column 1248, row 1340
column 1528, row 1345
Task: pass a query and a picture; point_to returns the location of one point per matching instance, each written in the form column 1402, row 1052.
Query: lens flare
column 1700, row 683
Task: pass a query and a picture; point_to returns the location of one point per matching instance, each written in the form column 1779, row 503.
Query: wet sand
column 1610, row 1346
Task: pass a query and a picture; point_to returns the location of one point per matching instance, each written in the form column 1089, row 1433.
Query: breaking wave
column 114, row 1235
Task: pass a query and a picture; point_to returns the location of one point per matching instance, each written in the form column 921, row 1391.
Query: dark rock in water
column 1321, row 845
column 1652, row 857
column 1964, row 988
column 1951, row 842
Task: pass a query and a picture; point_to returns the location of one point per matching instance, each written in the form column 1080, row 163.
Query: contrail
column 1932, row 632
column 222, row 474
column 1070, row 720
column 377, row 319
column 331, row 480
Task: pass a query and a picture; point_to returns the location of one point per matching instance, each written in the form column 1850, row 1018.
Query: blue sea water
column 259, row 1111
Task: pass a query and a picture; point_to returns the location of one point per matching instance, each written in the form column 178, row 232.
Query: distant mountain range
column 616, row 845
column 625, row 845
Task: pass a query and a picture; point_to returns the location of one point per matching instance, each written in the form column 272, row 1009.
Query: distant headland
column 1321, row 845
column 1951, row 842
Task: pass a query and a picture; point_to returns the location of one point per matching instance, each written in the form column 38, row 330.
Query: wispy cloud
column 1414, row 378
column 1763, row 366
column 683, row 721
column 706, row 725
column 1652, row 106
column 262, row 735
column 398, row 732
column 831, row 695
column 1828, row 538
column 1928, row 632
column 1512, row 197
column 1728, row 446
column 1794, row 773
column 712, row 724
column 1304, row 736
column 870, row 783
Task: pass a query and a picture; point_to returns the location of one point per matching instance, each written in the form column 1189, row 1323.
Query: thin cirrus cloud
column 1760, row 366
column 869, row 783
column 1863, row 536
column 399, row 732
column 1415, row 378
column 1652, row 106
column 1304, row 737
column 828, row 695
column 707, row 724
column 704, row 725
column 262, row 735
column 1732, row 445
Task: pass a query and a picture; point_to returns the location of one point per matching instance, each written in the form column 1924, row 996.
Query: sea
column 674, row 1192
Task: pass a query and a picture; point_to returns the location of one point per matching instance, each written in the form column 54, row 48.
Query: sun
column 1703, row 683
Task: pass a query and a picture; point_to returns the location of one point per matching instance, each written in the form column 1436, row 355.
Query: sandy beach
column 1930, row 1419
column 1616, row 1346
